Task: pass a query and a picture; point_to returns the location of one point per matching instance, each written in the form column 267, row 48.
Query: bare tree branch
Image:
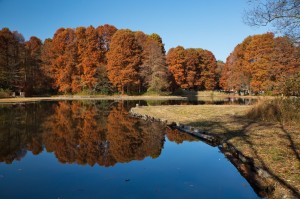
column 283, row 15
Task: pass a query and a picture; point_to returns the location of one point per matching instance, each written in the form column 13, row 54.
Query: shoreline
column 255, row 175
column 197, row 97
column 250, row 143
column 75, row 97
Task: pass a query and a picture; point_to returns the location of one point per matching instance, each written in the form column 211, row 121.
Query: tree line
column 98, row 60
column 107, row 60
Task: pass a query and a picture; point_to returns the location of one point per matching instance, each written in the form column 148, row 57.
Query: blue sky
column 215, row 25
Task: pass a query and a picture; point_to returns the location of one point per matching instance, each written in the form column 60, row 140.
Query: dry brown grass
column 273, row 145
column 283, row 110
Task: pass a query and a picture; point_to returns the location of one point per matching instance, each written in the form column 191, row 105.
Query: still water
column 93, row 149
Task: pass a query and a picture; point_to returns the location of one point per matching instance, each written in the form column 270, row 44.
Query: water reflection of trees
column 78, row 132
column 19, row 130
column 89, row 135
column 130, row 139
column 177, row 136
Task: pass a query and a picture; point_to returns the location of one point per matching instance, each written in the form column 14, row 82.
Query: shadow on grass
column 293, row 146
column 240, row 128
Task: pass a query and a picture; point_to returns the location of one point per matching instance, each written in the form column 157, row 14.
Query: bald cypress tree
column 123, row 61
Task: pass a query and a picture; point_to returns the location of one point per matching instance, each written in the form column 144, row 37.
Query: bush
column 283, row 110
column 5, row 93
column 291, row 86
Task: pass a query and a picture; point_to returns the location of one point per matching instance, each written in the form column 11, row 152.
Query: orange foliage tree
column 208, row 69
column 176, row 64
column 234, row 75
column 123, row 61
column 192, row 68
column 90, row 57
column 76, row 59
column 286, row 73
column 62, row 65
column 258, row 56
column 261, row 63
column 105, row 33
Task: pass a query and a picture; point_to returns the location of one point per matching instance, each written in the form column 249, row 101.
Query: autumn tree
column 192, row 68
column 123, row 61
column 47, row 55
column 76, row 59
column 176, row 64
column 286, row 72
column 208, row 69
column 36, row 80
column 258, row 55
column 90, row 62
column 159, row 76
column 291, row 86
column 158, row 39
column 106, row 33
column 63, row 68
column 261, row 63
column 90, row 56
column 219, row 69
column 153, row 70
column 20, row 63
column 12, row 60
column 234, row 75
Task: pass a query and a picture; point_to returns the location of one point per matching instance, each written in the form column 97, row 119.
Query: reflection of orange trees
column 129, row 140
column 77, row 134
column 175, row 135
column 80, row 133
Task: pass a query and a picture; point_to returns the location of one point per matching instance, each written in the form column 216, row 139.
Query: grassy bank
column 271, row 138
column 215, row 95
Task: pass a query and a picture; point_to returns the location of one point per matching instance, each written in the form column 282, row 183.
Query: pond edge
column 255, row 175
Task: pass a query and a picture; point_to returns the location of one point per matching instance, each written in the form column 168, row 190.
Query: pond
column 94, row 149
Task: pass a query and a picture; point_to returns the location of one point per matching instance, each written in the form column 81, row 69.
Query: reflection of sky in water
column 188, row 170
